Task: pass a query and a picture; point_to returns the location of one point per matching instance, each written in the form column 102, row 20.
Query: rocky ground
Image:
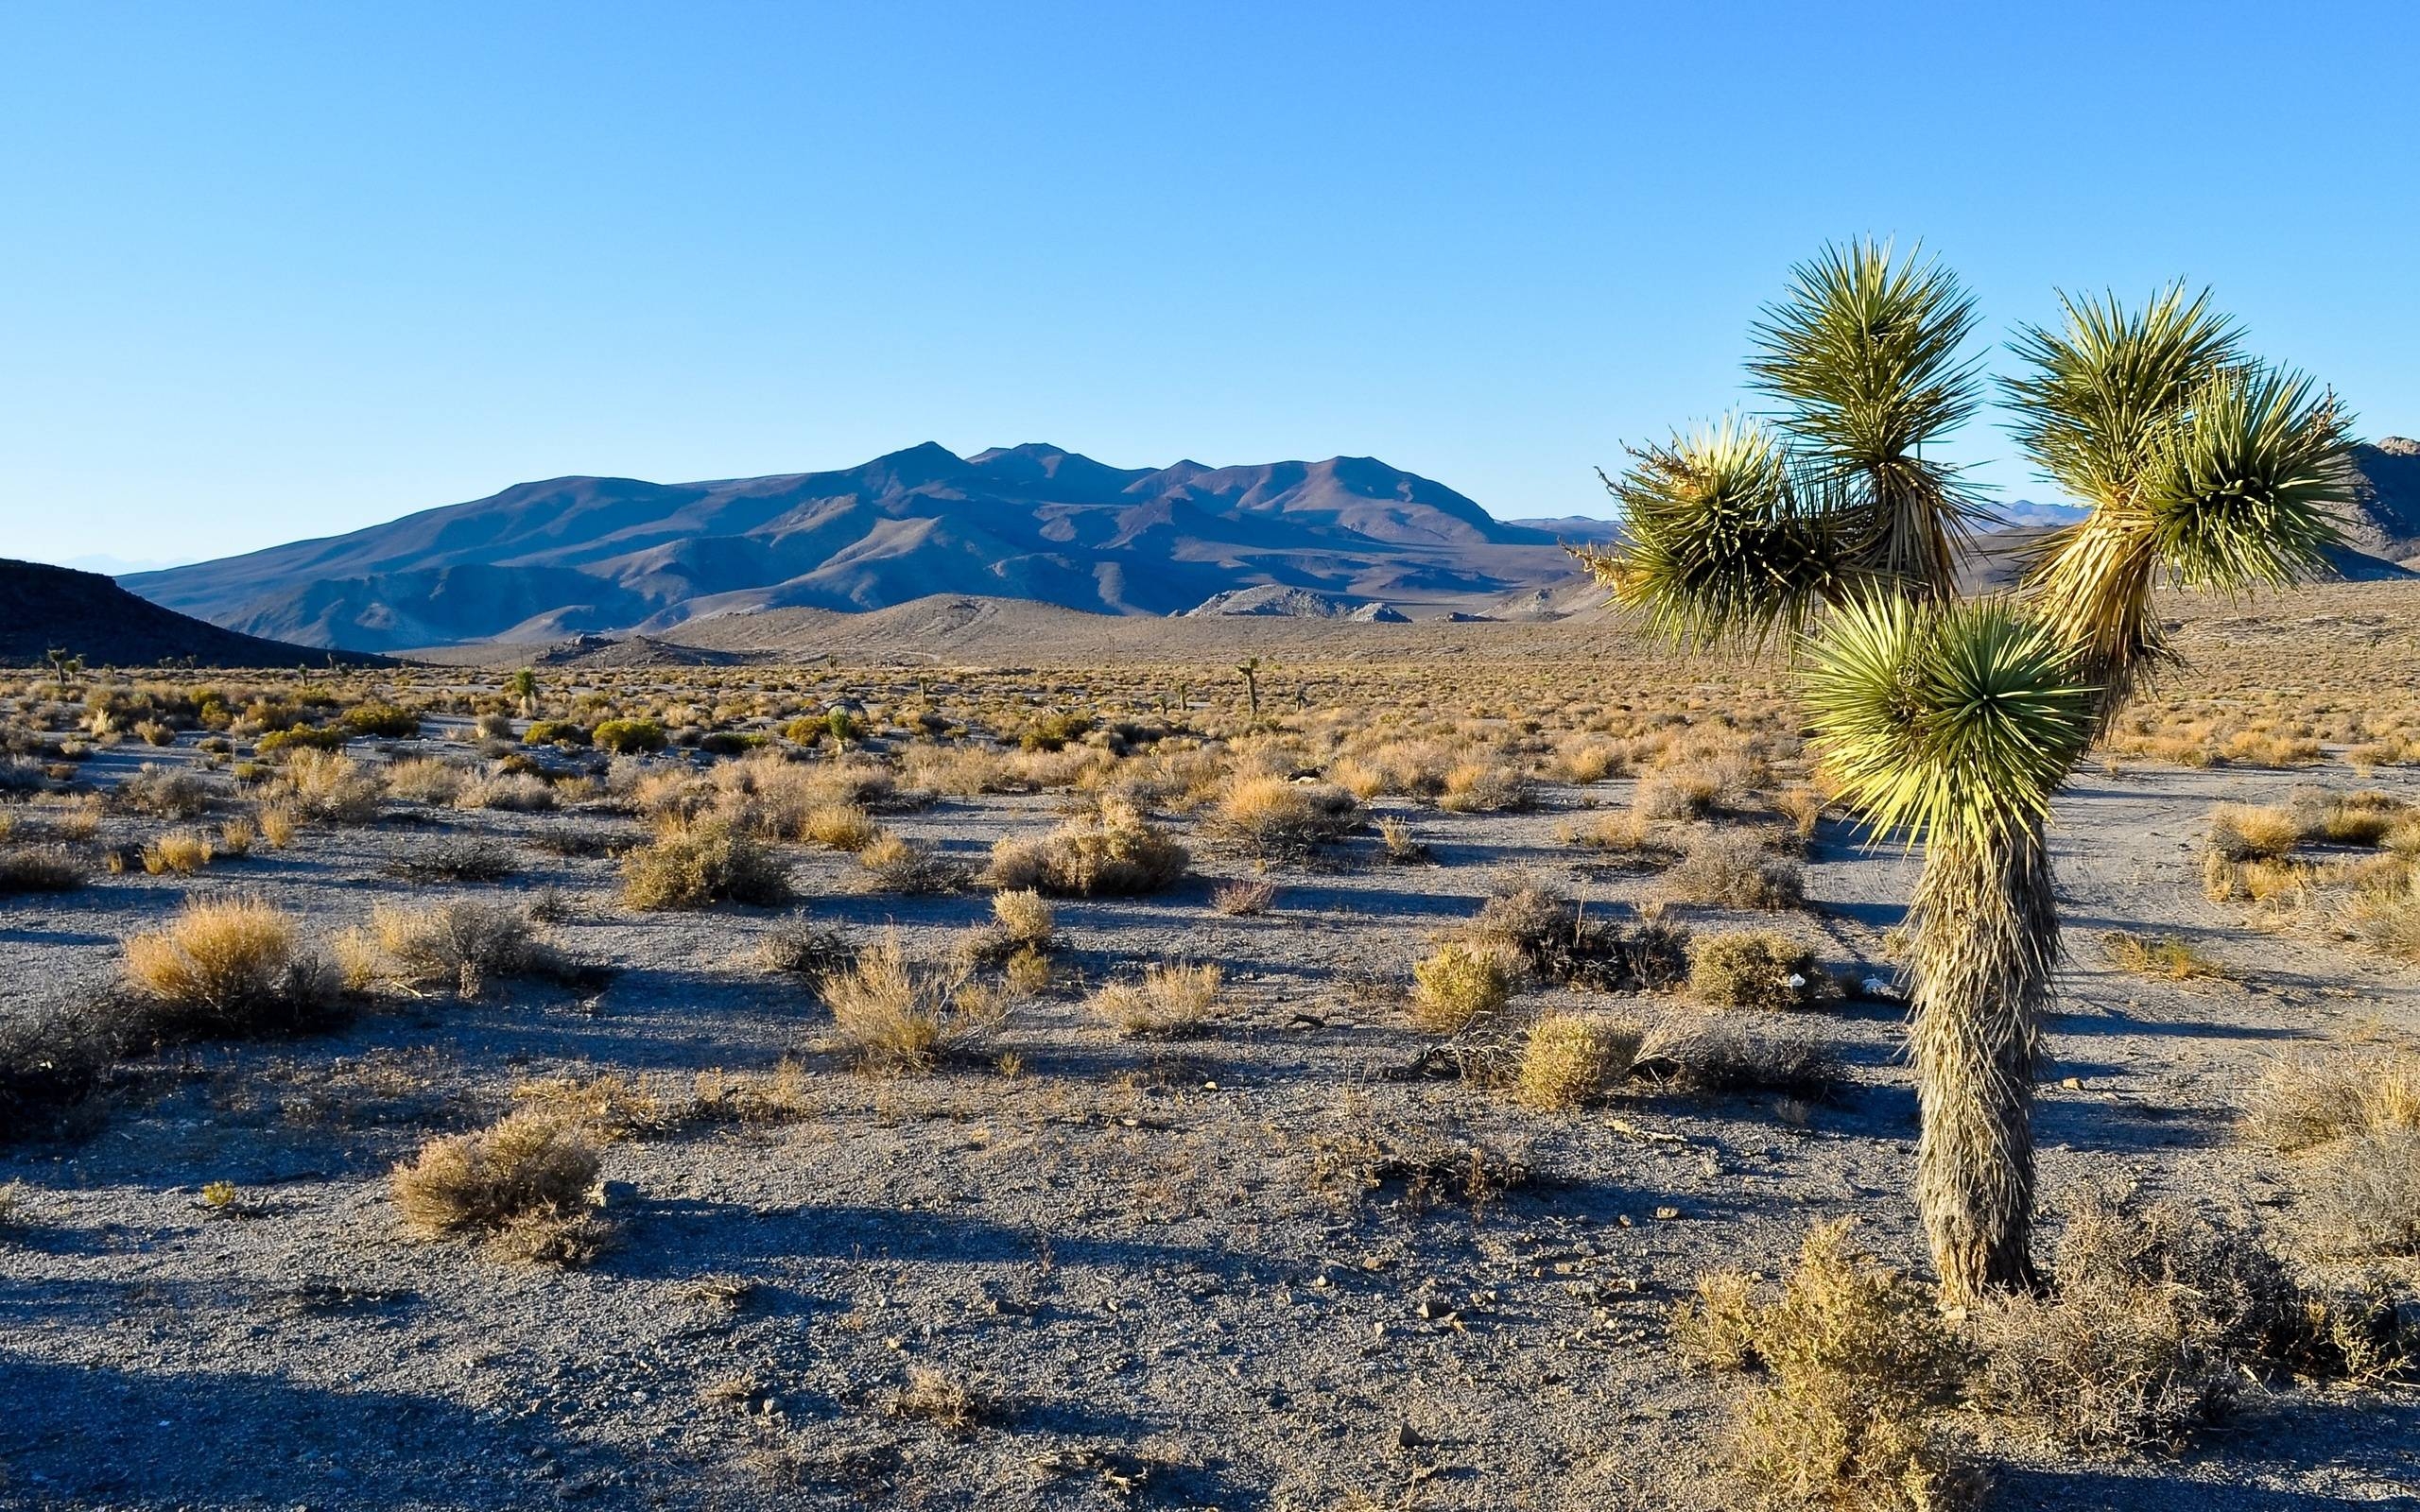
column 1155, row 1269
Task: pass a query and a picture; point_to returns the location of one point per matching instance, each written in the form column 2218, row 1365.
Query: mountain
column 86, row 615
column 2385, row 520
column 2025, row 514
column 543, row 560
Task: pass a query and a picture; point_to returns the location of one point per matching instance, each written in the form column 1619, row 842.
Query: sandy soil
column 1132, row 1245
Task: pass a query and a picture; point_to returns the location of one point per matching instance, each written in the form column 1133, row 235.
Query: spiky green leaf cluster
column 2249, row 487
column 1866, row 356
column 2104, row 388
column 1953, row 724
column 1720, row 540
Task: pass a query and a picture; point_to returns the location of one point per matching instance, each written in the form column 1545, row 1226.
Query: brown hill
column 44, row 608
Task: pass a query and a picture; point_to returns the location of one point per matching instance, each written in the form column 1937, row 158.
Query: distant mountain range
column 542, row 561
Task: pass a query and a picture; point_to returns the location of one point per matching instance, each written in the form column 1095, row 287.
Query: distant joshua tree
column 1953, row 722
column 63, row 665
column 1250, row 670
column 523, row 685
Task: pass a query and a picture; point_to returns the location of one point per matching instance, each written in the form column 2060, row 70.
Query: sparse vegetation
column 704, row 862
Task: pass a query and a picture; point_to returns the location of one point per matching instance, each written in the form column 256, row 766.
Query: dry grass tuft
column 526, row 1185
column 955, row 1404
column 1857, row 1369
column 2303, row 1102
column 2166, row 957
column 41, row 868
column 844, row 827
column 1167, row 1003
column 890, row 864
column 1024, row 917
column 1739, row 1055
column 895, row 1015
column 1752, row 968
column 329, row 786
column 180, row 852
column 1244, row 898
column 2245, row 831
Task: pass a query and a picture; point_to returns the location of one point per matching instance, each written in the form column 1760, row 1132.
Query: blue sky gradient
column 269, row 271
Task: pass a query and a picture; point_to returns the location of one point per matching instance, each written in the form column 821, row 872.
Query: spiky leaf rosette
column 2104, row 386
column 1718, row 541
column 1954, row 724
column 1865, row 355
column 2250, row 490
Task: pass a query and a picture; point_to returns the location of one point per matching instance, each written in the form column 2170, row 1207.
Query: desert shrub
column 329, row 786
column 2302, row 1102
column 1168, row 1002
column 278, row 822
column 1856, row 1368
column 1731, row 869
column 1803, row 806
column 1114, row 853
column 1738, row 1055
column 455, row 860
column 801, row 949
column 425, row 780
column 300, row 738
column 492, row 727
column 629, row 737
column 841, row 826
column 152, row 732
column 51, row 1054
column 954, row 1404
column 2364, row 818
column 526, row 1185
column 1024, row 917
column 181, row 852
column 893, row 865
column 165, row 792
column 555, row 732
column 2155, row 1315
column 226, row 966
column 1569, row 1060
column 40, row 869
column 704, row 862
column 1400, row 846
column 2244, row 832
column 1244, row 897
column 1455, row 984
column 2361, row 1195
column 237, row 836
column 508, row 792
column 1365, row 1151
column 1486, row 787
column 383, row 721
column 897, row 1015
column 1686, row 793
column 1275, row 819
column 1527, row 920
column 2168, row 957
column 2385, row 916
column 458, row 944
column 1752, row 968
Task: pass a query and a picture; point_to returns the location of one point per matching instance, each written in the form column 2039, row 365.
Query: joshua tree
column 63, row 666
column 1250, row 670
column 523, row 685
column 1954, row 723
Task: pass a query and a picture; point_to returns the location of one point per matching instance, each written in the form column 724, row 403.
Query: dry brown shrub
column 2167, row 957
column 896, row 1015
column 1703, row 1054
column 700, row 862
column 1857, row 1369
column 181, row 852
column 1167, row 1003
column 845, row 827
column 1754, row 969
column 1487, row 787
column 426, row 780
column 955, row 1404
column 2245, row 831
column 1024, row 916
column 329, row 786
column 458, row 944
column 231, row 966
column 41, row 868
column 890, row 864
column 1732, row 868
column 1570, row 1059
column 1114, row 853
column 1244, row 897
column 526, row 1185
column 1457, row 983
column 1275, row 819
column 2305, row 1101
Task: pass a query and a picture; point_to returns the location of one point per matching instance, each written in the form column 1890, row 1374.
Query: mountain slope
column 86, row 615
column 543, row 560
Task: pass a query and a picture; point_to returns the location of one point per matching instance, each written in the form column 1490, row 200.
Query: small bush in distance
column 383, row 721
column 1169, row 1001
column 626, row 737
column 896, row 1015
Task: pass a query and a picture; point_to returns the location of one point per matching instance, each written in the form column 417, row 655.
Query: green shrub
column 625, row 736
column 383, row 721
column 555, row 732
column 302, row 737
column 1752, row 969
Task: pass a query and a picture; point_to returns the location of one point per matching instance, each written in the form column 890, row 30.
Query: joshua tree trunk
column 1986, row 935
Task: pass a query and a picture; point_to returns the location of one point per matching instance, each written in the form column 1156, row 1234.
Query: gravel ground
column 1128, row 1249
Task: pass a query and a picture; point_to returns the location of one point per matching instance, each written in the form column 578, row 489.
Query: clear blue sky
column 270, row 271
